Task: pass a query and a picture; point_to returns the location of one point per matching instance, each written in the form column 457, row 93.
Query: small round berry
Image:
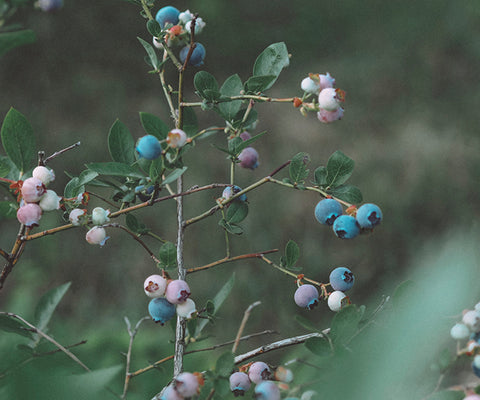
column 171, row 394
column 167, row 15
column 472, row 319
column 311, row 84
column 29, row 214
column 283, row 374
column 329, row 98
column 342, row 279
column 330, row 116
column 186, row 384
column 197, row 57
column 50, row 201
column 346, row 227
column 185, row 16
column 336, row 300
column 49, row 5
column 267, row 390
column 326, row 80
column 229, row 191
column 100, row 216
column 32, row 190
column 97, row 235
column 248, row 158
column 245, row 136
column 149, row 147
column 199, row 26
column 176, row 138
column 154, row 286
column 327, row 211
column 177, row 291
column 369, row 215
column 306, row 296
column 459, row 331
column 161, row 310
column 259, row 371
column 44, row 174
column 76, row 216
column 186, row 309
column 239, row 383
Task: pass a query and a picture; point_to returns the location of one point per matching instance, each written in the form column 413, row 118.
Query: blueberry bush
column 393, row 347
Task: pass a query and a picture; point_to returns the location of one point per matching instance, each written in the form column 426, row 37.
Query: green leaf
column 154, row 125
column 115, row 169
column 306, row 323
column 152, row 56
column 91, row 385
column 11, row 324
column 222, row 389
column 156, row 169
column 348, row 193
column 134, row 225
column 240, row 123
column 218, row 300
column 73, row 188
column 297, row 169
column 345, row 324
column 8, row 210
column 210, row 307
column 206, row 85
column 259, row 83
column 168, row 255
column 121, row 144
column 237, row 212
column 319, row 346
column 4, row 166
column 237, row 144
column 234, row 229
column 320, row 176
column 403, row 292
column 447, row 395
column 292, row 253
column 271, row 61
column 86, row 177
column 190, row 122
column 154, row 28
column 339, row 169
column 225, row 364
column 231, row 87
column 177, row 173
column 18, row 139
column 47, row 305
column 10, row 40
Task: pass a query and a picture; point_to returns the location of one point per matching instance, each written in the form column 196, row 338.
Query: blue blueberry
column 161, row 310
column 149, row 147
column 267, row 390
column 306, row 296
column 327, row 211
column 229, row 191
column 342, row 279
column 144, row 193
column 239, row 383
column 49, row 5
column 166, row 15
column 369, row 215
column 197, row 57
column 346, row 227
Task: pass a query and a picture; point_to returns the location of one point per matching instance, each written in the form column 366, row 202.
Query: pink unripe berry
column 171, row 394
column 330, row 116
column 100, row 216
column 239, row 383
column 29, row 214
column 177, row 291
column 176, row 138
column 248, row 158
column 259, row 371
column 186, row 309
column 472, row 397
column 44, row 174
column 245, row 135
column 32, row 190
column 336, row 300
column 329, row 99
column 186, row 384
column 326, row 81
column 96, row 235
column 76, row 215
column 154, row 286
column 50, row 201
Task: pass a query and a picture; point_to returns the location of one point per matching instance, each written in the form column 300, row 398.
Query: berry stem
column 246, row 315
column 244, row 97
column 57, row 153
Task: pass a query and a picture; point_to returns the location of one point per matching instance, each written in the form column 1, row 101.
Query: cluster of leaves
column 12, row 35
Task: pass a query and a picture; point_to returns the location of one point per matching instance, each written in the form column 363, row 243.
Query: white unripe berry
column 335, row 300
column 329, row 99
column 96, row 235
column 154, row 286
column 176, row 138
column 76, row 215
column 186, row 309
column 50, row 201
column 100, row 216
column 472, row 319
column 44, row 174
column 459, row 332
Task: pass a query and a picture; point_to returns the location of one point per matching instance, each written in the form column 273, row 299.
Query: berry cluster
column 177, row 27
column 347, row 226
column 184, row 386
column 341, row 280
column 34, row 196
column 168, row 297
column 329, row 98
column 150, row 148
column 469, row 329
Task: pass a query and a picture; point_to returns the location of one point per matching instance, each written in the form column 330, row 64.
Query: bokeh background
column 410, row 70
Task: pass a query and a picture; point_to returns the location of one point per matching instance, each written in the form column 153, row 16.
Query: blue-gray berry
column 327, row 211
column 342, row 279
column 346, row 227
column 369, row 215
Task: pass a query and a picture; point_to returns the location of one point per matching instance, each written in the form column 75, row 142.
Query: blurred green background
column 410, row 70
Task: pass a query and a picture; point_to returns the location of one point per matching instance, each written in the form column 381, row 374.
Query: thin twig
column 57, row 153
column 49, row 338
column 246, row 315
column 4, row 254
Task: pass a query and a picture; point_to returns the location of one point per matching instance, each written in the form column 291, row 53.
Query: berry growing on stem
column 342, row 279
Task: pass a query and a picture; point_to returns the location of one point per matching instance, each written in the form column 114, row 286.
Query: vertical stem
column 232, row 172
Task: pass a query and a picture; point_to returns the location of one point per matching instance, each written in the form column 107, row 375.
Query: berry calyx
column 177, row 291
